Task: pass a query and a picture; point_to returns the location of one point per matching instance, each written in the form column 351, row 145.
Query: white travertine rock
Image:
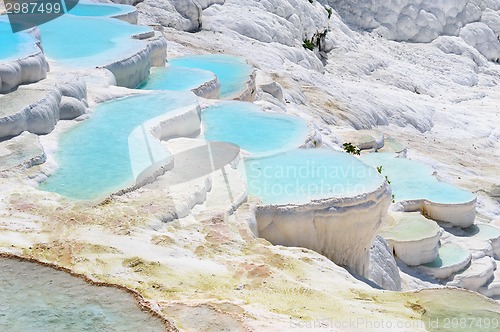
column 413, row 239
column 383, row 268
column 37, row 109
column 477, row 275
column 426, row 20
column 28, row 69
column 341, row 229
column 182, row 15
column 448, row 269
column 274, row 89
column 23, row 151
column 481, row 37
column 288, row 22
column 209, row 90
column 70, row 108
column 132, row 71
column 461, row 215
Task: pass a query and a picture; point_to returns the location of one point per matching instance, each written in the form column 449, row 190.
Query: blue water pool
column 247, row 126
column 90, row 41
column 301, row 175
column 109, row 151
column 39, row 298
column 411, row 180
column 449, row 254
column 233, row 72
column 14, row 45
column 84, row 8
column 176, row 78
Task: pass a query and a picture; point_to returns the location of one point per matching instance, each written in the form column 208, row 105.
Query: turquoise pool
column 84, row 8
column 247, row 126
column 449, row 254
column 411, row 180
column 176, row 78
column 14, row 45
column 233, row 72
column 301, row 175
column 89, row 41
column 107, row 152
column 39, row 298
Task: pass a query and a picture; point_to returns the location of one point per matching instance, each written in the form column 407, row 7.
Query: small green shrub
column 308, row 44
column 330, row 12
column 349, row 148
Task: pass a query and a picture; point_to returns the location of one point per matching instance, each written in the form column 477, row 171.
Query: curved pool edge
column 131, row 71
column 446, row 271
column 342, row 229
column 457, row 214
column 248, row 93
column 208, row 90
column 41, row 116
column 141, row 301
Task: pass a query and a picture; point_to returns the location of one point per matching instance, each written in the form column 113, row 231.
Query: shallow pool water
column 301, row 175
column 482, row 231
column 78, row 41
column 253, row 130
column 40, row 298
column 233, row 72
column 449, row 254
column 84, row 8
column 108, row 152
column 14, row 45
column 176, row 78
column 411, row 180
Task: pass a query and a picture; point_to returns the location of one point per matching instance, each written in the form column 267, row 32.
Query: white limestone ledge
column 21, row 152
column 313, row 139
column 37, row 108
column 130, row 72
column 383, row 268
column 209, row 90
column 131, row 16
column 342, row 229
column 413, row 239
column 459, row 214
column 29, row 69
column 492, row 287
column 248, row 94
column 444, row 270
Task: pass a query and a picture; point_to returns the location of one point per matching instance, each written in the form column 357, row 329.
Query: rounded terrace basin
column 39, row 298
column 115, row 150
column 84, row 8
column 451, row 259
column 414, row 239
column 15, row 45
column 413, row 184
column 253, row 130
column 483, row 231
column 79, row 42
column 302, row 175
column 182, row 79
column 233, row 72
